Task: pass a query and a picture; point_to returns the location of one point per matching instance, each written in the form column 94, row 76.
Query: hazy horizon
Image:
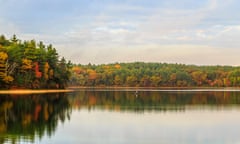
column 100, row 32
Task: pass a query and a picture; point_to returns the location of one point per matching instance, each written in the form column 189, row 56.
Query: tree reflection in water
column 31, row 116
column 152, row 100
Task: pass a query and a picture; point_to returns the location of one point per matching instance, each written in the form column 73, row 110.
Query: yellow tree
column 26, row 64
column 155, row 80
column 92, row 76
column 3, row 69
column 27, row 72
column 199, row 77
column 117, row 66
column 3, row 58
column 117, row 80
column 46, row 69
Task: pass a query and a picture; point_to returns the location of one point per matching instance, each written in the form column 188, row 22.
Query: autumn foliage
column 31, row 65
column 142, row 74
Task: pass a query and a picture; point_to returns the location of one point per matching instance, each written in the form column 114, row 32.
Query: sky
column 201, row 32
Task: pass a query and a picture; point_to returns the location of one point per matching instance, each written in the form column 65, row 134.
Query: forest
column 141, row 74
column 28, row 64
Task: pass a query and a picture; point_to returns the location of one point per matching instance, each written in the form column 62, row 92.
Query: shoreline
column 127, row 87
column 31, row 91
column 77, row 88
column 166, row 89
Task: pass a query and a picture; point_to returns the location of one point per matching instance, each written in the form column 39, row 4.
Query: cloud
column 110, row 31
column 169, row 35
column 188, row 54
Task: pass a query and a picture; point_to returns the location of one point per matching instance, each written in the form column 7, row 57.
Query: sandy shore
column 29, row 91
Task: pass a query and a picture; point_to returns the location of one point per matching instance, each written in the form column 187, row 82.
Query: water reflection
column 29, row 118
column 153, row 100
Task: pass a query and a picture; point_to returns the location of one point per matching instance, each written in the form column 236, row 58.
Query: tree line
column 28, row 64
column 141, row 74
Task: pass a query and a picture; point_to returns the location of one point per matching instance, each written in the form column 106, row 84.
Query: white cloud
column 166, row 35
column 188, row 54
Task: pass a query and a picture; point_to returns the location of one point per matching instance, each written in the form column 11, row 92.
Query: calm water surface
column 121, row 117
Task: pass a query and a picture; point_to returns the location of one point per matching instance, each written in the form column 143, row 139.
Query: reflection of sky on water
column 193, row 126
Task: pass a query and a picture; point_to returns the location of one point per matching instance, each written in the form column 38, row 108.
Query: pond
column 124, row 116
